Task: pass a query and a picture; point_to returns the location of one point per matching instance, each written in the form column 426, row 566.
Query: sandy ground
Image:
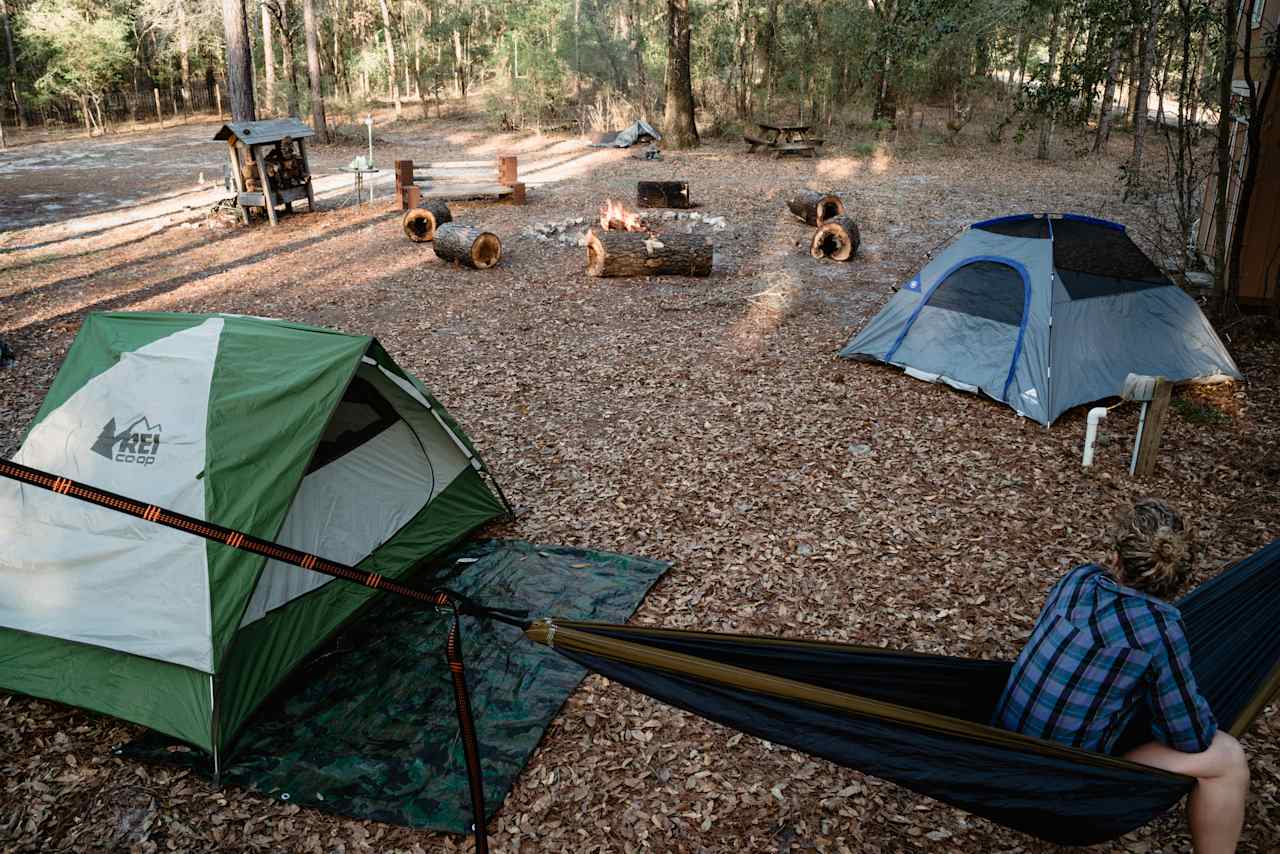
column 702, row 421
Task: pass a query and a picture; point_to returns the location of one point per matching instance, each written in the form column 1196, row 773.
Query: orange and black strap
column 467, row 729
column 457, row 603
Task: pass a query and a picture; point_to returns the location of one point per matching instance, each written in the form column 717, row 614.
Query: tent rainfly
column 1043, row 312
column 312, row 438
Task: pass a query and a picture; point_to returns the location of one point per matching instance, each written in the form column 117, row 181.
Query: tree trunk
column 631, row 253
column 1108, row 95
column 318, row 123
column 681, row 128
column 1226, row 74
column 420, row 223
column 1044, row 149
column 815, row 208
column 470, row 247
column 1146, row 65
column 184, row 54
column 239, row 61
column 662, row 194
column 742, row 93
column 392, row 82
column 459, row 64
column 13, row 64
column 837, row 239
column 636, row 44
column 290, row 61
column 269, row 59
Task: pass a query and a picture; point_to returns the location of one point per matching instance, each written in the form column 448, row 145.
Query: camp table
column 784, row 139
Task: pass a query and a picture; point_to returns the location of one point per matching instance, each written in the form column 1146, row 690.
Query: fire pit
column 625, row 245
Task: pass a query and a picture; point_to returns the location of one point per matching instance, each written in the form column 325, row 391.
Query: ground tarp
column 368, row 728
column 638, row 132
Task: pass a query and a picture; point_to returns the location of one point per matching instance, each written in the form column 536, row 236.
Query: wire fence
column 143, row 103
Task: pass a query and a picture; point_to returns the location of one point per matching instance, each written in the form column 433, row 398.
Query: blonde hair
column 1154, row 546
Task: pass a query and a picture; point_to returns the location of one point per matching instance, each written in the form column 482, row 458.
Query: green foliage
column 1200, row 413
column 82, row 49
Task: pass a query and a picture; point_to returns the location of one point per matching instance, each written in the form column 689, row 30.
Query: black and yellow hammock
column 915, row 719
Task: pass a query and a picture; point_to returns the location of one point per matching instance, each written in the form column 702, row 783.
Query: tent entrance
column 968, row 328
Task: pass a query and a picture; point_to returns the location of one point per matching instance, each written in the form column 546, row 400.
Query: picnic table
column 784, row 139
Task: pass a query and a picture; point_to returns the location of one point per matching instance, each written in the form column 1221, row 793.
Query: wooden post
column 412, row 197
column 159, row 115
column 237, row 178
column 217, row 96
column 1152, row 429
column 404, row 180
column 306, row 166
column 267, row 198
column 508, row 169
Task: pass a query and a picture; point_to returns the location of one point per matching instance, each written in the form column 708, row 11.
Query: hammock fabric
column 921, row 720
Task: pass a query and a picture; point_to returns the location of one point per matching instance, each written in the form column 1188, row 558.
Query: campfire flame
column 614, row 216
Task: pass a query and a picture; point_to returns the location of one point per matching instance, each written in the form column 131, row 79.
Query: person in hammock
column 1108, row 645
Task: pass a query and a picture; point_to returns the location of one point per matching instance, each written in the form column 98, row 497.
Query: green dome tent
column 312, row 438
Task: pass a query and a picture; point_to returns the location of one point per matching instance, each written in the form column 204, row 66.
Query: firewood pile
column 624, row 244
column 837, row 236
column 572, row 232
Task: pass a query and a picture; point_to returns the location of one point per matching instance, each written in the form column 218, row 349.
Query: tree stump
column 630, row 253
column 662, row 194
column 420, row 223
column 837, row 239
column 816, row 208
column 471, row 247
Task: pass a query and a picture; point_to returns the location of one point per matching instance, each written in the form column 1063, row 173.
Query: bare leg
column 1216, row 807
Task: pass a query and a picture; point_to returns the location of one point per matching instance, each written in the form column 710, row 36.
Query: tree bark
column 1225, row 76
column 420, row 223
column 1108, row 95
column 470, row 247
column 837, row 239
column 1146, row 63
column 459, row 64
column 630, row 253
column 393, row 83
column 681, row 128
column 239, row 61
column 269, row 59
column 662, row 194
column 1044, row 149
column 816, row 208
column 318, row 123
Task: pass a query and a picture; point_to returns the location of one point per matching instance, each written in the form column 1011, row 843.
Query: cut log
column 631, row 253
column 420, row 223
column 837, row 239
column 816, row 208
column 662, row 194
column 472, row 247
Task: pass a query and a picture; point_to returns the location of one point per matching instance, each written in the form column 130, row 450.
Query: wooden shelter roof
column 253, row 133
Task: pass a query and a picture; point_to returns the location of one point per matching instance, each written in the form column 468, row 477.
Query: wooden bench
column 458, row 179
column 795, row 148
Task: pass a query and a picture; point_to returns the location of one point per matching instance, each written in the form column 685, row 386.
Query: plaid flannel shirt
column 1100, row 652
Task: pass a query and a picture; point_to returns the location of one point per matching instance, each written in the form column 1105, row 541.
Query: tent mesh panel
column 1030, row 227
column 984, row 289
column 1094, row 260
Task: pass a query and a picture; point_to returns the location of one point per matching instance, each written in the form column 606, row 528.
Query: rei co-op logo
column 138, row 443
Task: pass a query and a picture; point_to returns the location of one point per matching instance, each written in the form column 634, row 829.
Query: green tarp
column 367, row 727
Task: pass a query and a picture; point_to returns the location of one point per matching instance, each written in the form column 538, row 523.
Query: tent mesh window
column 1097, row 260
column 1037, row 227
column 987, row 289
column 362, row 415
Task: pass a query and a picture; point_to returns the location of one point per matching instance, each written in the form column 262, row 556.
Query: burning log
column 420, row 223
column 472, row 247
column 816, row 208
column 837, row 239
column 628, row 253
column 662, row 194
column 615, row 216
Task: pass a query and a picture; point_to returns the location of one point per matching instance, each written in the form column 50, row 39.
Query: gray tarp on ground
column 1054, row 352
column 639, row 132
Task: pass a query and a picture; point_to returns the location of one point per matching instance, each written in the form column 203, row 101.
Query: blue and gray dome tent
column 1043, row 312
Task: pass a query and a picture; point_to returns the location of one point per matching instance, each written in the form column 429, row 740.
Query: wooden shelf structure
column 267, row 172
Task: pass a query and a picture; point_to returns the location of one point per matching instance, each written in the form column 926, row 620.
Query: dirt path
column 702, row 421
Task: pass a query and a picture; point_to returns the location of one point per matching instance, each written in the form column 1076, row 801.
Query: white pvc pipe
column 1091, row 432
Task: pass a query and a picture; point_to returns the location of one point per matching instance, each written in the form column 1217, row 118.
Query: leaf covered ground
column 706, row 422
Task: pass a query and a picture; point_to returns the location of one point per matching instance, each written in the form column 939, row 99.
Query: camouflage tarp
column 368, row 728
